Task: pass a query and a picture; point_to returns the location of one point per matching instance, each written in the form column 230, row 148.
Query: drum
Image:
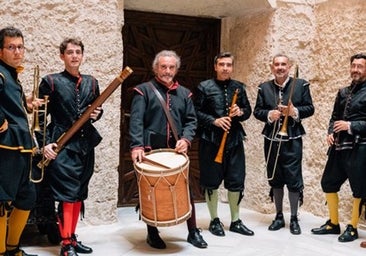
column 164, row 191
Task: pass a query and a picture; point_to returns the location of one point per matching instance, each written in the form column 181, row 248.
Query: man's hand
column 181, row 146
column 330, row 139
column 223, row 122
column 34, row 102
column 49, row 151
column 96, row 112
column 235, row 111
column 274, row 115
column 4, row 127
column 341, row 125
column 288, row 110
column 137, row 155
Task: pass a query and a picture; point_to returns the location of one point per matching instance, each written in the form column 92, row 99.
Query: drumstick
column 145, row 159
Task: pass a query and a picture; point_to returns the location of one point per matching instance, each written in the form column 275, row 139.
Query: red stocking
column 75, row 218
column 67, row 221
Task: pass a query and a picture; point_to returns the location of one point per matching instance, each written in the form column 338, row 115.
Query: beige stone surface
column 319, row 36
column 98, row 24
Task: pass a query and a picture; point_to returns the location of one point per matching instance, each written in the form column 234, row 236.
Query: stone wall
column 320, row 37
column 98, row 24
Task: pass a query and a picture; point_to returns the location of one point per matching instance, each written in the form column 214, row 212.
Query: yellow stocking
column 355, row 212
column 17, row 221
column 3, row 220
column 332, row 201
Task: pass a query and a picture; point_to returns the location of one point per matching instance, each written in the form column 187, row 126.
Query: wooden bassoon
column 220, row 153
column 66, row 136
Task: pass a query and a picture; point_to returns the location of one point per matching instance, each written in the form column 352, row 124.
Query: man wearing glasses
column 17, row 193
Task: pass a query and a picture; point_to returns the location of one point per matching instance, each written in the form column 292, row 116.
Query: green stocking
column 211, row 197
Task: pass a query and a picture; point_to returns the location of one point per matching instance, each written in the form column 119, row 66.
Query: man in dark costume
column 17, row 193
column 215, row 117
column 70, row 94
column 150, row 129
column 347, row 149
column 283, row 153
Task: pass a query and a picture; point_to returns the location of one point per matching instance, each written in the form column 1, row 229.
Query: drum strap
column 167, row 113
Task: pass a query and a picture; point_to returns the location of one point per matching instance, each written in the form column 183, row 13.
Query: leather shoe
column 363, row 244
column 239, row 227
column 294, row 226
column 18, row 252
column 327, row 228
column 195, row 238
column 68, row 250
column 155, row 241
column 277, row 223
column 349, row 234
column 79, row 247
column 216, row 227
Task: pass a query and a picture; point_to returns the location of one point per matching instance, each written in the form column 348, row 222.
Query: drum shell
column 164, row 193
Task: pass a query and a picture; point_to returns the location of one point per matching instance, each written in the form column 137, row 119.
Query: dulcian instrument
column 220, row 153
column 64, row 138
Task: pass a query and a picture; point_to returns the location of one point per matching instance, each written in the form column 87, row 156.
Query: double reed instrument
column 220, row 153
column 35, row 123
column 64, row 138
column 283, row 131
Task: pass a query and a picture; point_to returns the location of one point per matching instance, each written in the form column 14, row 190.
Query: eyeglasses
column 13, row 47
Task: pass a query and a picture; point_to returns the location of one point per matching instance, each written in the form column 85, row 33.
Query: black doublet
column 69, row 97
column 346, row 157
column 149, row 128
column 213, row 99
column 16, row 144
column 268, row 99
column 13, row 108
column 285, row 151
column 350, row 105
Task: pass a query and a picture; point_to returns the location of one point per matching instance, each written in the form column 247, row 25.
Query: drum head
column 167, row 157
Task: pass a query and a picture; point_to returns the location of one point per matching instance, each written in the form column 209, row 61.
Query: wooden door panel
column 196, row 41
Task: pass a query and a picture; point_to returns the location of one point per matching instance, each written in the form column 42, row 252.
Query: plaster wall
column 98, row 24
column 320, row 37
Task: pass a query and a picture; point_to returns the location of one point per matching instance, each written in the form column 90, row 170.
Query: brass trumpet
column 35, row 123
column 283, row 131
column 35, row 120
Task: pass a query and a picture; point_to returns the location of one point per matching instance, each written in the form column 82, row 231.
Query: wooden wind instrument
column 220, row 153
column 283, row 131
column 64, row 138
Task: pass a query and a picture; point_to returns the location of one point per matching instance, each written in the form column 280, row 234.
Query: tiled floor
column 127, row 238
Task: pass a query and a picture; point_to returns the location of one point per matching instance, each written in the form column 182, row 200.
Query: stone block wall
column 98, row 24
column 319, row 36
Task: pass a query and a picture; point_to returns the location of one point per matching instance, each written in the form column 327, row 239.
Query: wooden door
column 196, row 41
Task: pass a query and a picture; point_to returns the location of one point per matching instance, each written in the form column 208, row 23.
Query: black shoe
column 327, row 228
column 294, row 226
column 79, row 247
column 68, row 250
column 18, row 252
column 349, row 235
column 277, row 223
column 216, row 227
column 240, row 228
column 195, row 238
column 155, row 241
